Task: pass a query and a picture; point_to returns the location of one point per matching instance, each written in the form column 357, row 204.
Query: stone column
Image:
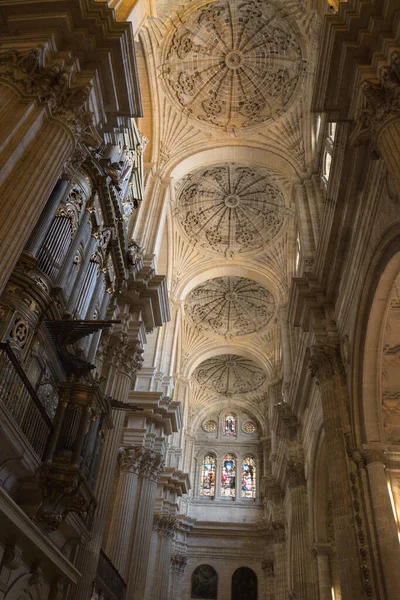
column 268, row 566
column 322, row 555
column 178, row 564
column 277, row 534
column 385, row 524
column 164, row 527
column 381, row 119
column 120, row 530
column 325, row 365
column 299, row 560
column 151, row 467
column 286, row 351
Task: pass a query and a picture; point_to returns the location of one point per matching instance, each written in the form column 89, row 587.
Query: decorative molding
column 129, row 459
column 230, row 306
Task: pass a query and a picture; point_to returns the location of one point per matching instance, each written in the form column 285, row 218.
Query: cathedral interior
column 200, row 299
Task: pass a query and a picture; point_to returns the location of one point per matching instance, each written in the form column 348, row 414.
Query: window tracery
column 228, row 476
column 230, row 424
column 248, row 487
column 208, row 470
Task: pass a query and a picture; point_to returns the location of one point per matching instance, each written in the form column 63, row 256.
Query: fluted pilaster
column 326, row 366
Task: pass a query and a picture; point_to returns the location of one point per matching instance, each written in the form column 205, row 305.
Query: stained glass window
column 207, row 485
column 210, row 426
column 248, row 478
column 249, row 427
column 230, row 424
column 228, row 476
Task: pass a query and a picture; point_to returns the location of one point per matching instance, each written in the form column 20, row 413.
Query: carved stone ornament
column 129, row 459
column 295, row 473
column 382, row 102
column 268, row 566
column 229, row 374
column 233, row 64
column 325, row 363
column 230, row 306
column 152, row 465
column 230, row 208
column 164, row 525
column 178, row 562
column 52, row 85
column 12, row 557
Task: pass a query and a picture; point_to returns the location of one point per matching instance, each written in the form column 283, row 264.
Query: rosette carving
column 230, row 208
column 233, row 64
column 229, row 374
column 230, row 306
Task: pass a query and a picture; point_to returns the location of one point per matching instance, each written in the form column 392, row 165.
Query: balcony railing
column 21, row 401
column 110, row 578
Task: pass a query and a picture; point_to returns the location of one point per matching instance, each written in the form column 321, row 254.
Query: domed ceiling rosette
column 229, row 374
column 230, row 208
column 233, row 63
column 230, row 306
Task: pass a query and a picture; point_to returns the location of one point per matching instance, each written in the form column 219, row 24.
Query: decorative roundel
column 210, row 426
column 230, row 305
column 229, row 374
column 249, row 427
column 230, row 208
column 233, row 63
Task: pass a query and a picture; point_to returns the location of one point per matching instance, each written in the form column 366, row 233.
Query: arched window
column 230, row 424
column 228, row 476
column 248, row 487
column 204, row 583
column 244, row 584
column 207, row 485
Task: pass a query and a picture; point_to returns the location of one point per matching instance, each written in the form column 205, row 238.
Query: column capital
column 382, row 103
column 295, row 476
column 325, row 362
column 268, row 566
column 374, row 455
column 178, row 562
column 130, row 458
column 164, row 525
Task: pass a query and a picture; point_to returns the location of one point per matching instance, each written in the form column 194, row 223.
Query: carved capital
column 325, row 363
column 130, row 458
column 374, row 456
column 276, row 531
column 178, row 562
column 164, row 525
column 51, row 84
column 295, row 473
column 268, row 566
column 382, row 103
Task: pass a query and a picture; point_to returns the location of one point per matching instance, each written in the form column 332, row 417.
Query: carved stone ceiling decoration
column 233, row 64
column 230, row 208
column 230, row 306
column 229, row 374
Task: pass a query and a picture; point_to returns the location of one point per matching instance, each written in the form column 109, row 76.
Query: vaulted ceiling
column 227, row 85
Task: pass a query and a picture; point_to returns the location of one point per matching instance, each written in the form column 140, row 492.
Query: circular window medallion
column 249, row 427
column 210, row 426
column 233, row 63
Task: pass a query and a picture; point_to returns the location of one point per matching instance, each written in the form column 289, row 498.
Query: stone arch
column 244, row 584
column 204, row 583
column 375, row 422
